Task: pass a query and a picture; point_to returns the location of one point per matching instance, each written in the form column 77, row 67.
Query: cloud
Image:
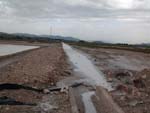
column 70, row 8
column 78, row 18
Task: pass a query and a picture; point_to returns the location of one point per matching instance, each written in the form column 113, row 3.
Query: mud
column 128, row 72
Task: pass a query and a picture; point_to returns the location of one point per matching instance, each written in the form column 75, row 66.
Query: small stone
column 144, row 76
column 52, row 84
column 46, row 107
column 110, row 80
column 46, row 91
column 133, row 103
column 64, row 89
column 122, row 98
column 68, row 72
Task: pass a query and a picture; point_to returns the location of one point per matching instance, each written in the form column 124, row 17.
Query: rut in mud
column 9, row 101
column 9, row 86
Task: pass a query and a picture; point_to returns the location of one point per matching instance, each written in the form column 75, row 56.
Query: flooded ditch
column 86, row 74
column 86, row 68
column 88, row 104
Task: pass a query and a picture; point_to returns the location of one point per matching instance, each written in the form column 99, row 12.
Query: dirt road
column 39, row 69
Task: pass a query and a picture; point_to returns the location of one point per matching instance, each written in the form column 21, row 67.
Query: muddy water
column 88, row 104
column 86, row 67
column 6, row 49
column 88, row 73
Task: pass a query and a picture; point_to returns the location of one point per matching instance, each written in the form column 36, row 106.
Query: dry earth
column 40, row 68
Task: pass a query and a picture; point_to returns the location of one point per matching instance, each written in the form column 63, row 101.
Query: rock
column 110, row 80
column 135, row 92
column 144, row 77
column 52, row 83
column 122, row 98
column 135, row 103
column 67, row 72
column 46, row 91
column 64, row 89
column 46, row 107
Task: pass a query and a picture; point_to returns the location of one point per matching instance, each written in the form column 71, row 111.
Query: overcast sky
column 106, row 20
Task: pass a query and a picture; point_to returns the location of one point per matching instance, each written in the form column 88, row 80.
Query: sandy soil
column 40, row 68
column 129, row 74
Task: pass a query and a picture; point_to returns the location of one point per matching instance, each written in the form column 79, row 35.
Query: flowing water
column 92, row 76
column 88, row 104
column 86, row 67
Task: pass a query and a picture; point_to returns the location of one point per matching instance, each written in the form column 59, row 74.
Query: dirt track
column 129, row 74
column 40, row 68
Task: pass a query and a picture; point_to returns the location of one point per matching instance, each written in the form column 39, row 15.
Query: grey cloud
column 99, row 19
column 66, row 8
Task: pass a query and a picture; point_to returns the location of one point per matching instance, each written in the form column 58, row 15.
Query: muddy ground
column 129, row 74
column 39, row 69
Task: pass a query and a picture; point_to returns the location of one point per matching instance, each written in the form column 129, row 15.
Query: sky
column 125, row 21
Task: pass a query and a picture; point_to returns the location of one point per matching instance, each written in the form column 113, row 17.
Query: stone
column 46, row 107
column 133, row 103
column 110, row 80
column 144, row 76
column 64, row 89
column 46, row 91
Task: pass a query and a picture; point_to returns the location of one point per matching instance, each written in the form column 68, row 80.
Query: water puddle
column 7, row 49
column 88, row 104
column 86, row 67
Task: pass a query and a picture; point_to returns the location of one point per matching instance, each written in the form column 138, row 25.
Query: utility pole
column 51, row 30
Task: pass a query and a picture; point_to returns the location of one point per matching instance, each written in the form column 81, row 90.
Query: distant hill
column 60, row 37
column 99, row 42
column 147, row 44
column 26, row 36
